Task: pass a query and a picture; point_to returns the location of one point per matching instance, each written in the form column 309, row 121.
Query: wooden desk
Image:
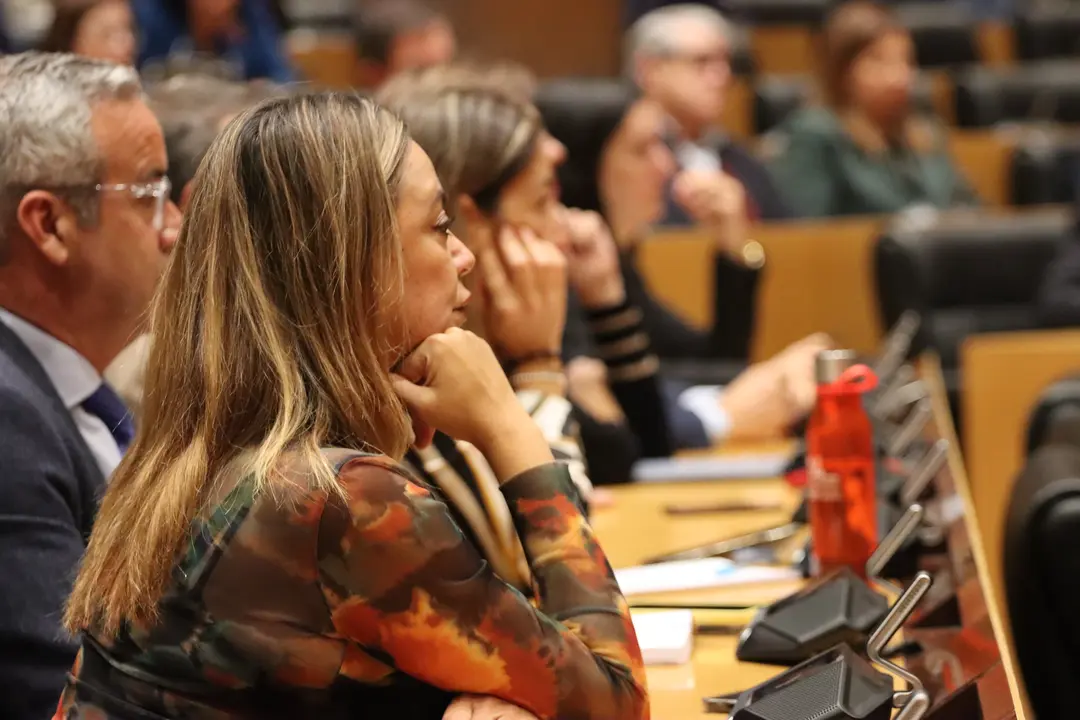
column 972, row 678
column 637, row 528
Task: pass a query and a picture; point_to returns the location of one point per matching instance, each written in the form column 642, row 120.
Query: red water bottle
column 840, row 462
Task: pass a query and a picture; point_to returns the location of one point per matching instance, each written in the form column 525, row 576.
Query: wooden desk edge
column 930, row 372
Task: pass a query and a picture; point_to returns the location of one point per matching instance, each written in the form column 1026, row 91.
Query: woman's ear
column 467, row 210
column 475, row 228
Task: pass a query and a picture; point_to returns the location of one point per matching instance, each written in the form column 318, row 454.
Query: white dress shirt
column 75, row 379
column 704, row 402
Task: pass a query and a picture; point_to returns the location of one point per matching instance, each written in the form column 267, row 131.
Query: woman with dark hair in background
column 864, row 151
column 620, row 165
column 244, row 34
column 99, row 29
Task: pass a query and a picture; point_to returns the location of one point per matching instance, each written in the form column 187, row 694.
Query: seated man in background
column 680, row 56
column 85, row 227
column 397, row 35
column 192, row 110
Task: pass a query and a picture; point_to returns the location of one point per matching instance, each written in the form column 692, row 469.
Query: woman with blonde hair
column 261, row 552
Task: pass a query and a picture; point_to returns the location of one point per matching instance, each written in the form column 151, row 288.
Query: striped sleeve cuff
column 622, row 342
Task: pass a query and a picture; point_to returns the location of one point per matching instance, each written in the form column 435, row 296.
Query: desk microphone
column 836, row 608
column 906, row 435
column 897, row 345
column 839, row 684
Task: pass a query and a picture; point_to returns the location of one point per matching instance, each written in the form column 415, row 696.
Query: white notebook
column 723, row 467
column 665, row 637
column 696, row 574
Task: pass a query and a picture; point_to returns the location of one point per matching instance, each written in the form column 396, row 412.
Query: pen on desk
column 723, row 507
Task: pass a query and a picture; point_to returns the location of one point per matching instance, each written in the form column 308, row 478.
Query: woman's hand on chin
column 453, row 382
column 474, row 707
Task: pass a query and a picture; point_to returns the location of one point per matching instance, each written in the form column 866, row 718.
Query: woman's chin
column 458, row 318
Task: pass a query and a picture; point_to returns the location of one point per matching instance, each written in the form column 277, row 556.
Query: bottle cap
column 829, row 365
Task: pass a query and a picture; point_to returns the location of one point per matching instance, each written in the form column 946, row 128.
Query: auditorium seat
column 1047, row 90
column 965, row 273
column 943, row 33
column 1045, row 164
column 777, row 96
column 1047, row 31
column 1042, row 578
column 1055, row 419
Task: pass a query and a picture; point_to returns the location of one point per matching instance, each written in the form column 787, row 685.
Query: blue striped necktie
column 106, row 405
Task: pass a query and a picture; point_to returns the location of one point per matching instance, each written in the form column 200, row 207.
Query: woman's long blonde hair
column 270, row 329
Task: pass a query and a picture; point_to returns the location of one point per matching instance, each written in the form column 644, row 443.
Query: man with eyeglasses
column 680, row 56
column 85, row 228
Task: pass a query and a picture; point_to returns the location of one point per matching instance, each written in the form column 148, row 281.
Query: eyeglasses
column 159, row 190
column 702, row 61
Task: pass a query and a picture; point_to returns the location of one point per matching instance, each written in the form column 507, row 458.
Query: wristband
column 549, row 355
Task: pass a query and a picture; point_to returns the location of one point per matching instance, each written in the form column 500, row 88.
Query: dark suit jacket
column 49, row 489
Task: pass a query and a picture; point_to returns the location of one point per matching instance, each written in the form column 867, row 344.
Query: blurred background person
column 680, row 57
column 100, row 29
column 393, row 36
column 864, row 150
column 620, row 166
column 243, row 35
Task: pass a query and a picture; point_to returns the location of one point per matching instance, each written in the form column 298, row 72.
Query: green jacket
column 822, row 172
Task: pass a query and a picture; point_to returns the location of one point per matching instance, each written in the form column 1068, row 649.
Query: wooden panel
column 996, row 44
column 739, row 109
column 328, row 60
column 985, row 158
column 784, row 50
column 943, row 96
column 818, row 278
column 554, row 38
column 1004, row 375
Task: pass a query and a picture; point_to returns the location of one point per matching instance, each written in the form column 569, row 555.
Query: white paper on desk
column 658, row 470
column 697, row 574
column 665, row 638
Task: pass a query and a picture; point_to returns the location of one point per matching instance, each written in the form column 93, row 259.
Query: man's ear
column 467, row 210
column 49, row 222
column 642, row 70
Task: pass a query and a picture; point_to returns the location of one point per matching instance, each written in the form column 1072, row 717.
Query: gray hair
column 46, row 101
column 656, row 33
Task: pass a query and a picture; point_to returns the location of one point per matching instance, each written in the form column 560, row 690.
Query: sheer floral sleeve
column 413, row 595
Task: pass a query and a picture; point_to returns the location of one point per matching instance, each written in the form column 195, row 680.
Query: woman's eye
column 444, row 225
